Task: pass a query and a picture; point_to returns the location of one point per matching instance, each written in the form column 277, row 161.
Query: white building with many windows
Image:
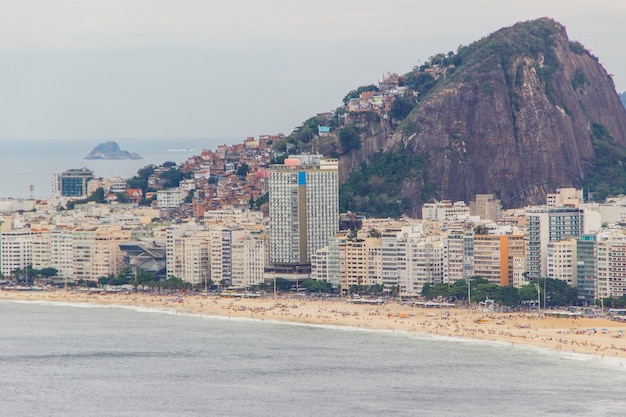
column 15, row 250
column 304, row 207
column 545, row 225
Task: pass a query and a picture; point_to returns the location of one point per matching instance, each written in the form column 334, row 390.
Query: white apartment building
column 565, row 197
column 15, row 250
column 445, row 210
column 486, row 206
column 304, row 207
column 249, row 258
column 188, row 253
column 62, row 252
column 611, row 264
column 221, row 239
column 458, row 255
column 424, row 260
column 170, row 198
column 360, row 262
column 40, row 245
column 196, row 259
column 97, row 251
column 393, row 254
column 319, row 264
column 232, row 215
column 562, row 261
column 545, row 225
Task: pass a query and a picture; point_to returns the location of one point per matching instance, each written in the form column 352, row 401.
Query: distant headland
column 110, row 150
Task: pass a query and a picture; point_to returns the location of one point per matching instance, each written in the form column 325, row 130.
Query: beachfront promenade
column 599, row 337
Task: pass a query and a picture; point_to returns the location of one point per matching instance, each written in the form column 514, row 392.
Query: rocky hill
column 518, row 113
column 110, row 150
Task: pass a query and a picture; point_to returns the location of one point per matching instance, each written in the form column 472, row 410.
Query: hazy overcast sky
column 119, row 69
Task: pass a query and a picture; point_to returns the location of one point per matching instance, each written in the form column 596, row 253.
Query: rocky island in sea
column 110, row 150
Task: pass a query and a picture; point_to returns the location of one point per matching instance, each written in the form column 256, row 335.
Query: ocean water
column 59, row 360
column 34, row 162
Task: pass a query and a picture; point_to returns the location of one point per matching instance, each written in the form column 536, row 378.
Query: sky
column 142, row 69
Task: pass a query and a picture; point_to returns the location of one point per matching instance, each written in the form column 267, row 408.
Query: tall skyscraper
column 304, row 208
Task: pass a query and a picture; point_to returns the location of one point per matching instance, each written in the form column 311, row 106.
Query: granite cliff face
column 515, row 118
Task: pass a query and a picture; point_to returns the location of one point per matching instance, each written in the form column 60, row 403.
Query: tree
column 426, row 290
column 375, row 289
column 97, row 196
column 311, row 285
column 458, row 290
column 283, row 284
column 175, row 283
column 141, row 179
column 242, row 170
column 144, row 277
column 528, row 292
column 485, row 291
column 421, row 82
column 122, row 197
column 350, row 138
column 356, row 93
column 173, row 177
column 106, row 280
column 481, row 230
column 48, row 272
column 401, row 107
column 508, row 296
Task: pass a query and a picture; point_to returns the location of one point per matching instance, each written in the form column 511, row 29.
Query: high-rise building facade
column 459, row 255
column 545, row 225
column 304, row 207
column 494, row 257
column 611, row 265
column 249, row 257
column 586, row 268
column 73, row 182
column 562, row 259
column 15, row 250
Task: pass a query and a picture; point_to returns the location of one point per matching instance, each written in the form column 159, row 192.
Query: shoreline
column 574, row 338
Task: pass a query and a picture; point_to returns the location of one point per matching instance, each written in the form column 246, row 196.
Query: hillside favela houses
column 245, row 215
column 212, row 233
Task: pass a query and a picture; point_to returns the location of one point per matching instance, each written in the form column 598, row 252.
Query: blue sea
column 34, row 162
column 71, row 361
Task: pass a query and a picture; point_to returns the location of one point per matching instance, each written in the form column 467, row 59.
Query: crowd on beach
column 599, row 337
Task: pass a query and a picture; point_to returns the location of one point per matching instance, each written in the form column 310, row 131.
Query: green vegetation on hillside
column 609, row 176
column 350, row 138
column 356, row 93
column 373, row 189
column 141, row 179
column 534, row 39
column 303, row 137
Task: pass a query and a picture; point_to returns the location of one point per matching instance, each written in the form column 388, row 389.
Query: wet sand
column 599, row 337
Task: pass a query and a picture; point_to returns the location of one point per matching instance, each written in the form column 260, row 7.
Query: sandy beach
column 601, row 338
